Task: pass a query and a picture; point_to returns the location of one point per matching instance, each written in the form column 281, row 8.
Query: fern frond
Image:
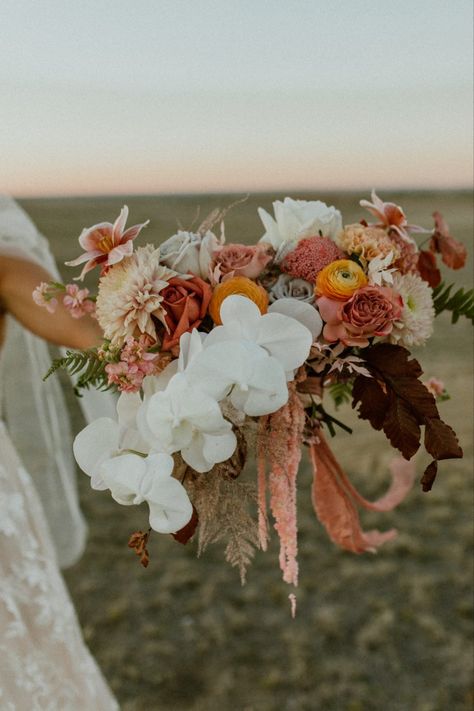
column 461, row 303
column 341, row 393
column 87, row 365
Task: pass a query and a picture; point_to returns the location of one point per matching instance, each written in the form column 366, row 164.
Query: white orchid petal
column 95, row 444
column 301, row 311
column 219, row 448
column 284, row 339
column 123, row 476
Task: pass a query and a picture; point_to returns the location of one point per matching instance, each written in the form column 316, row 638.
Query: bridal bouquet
column 224, row 353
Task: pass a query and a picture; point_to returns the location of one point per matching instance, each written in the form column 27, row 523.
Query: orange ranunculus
column 340, row 279
column 237, row 285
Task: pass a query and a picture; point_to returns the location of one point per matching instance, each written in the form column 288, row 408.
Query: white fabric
column 44, row 664
column 35, row 412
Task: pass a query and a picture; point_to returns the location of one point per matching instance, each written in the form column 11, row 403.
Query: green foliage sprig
column 461, row 303
column 88, row 365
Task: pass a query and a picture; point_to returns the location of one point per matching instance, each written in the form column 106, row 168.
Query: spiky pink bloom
column 391, row 216
column 284, row 430
column 106, row 243
column 310, row 255
column 43, row 296
column 77, row 301
column 335, row 499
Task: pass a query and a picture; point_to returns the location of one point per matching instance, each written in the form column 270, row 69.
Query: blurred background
column 177, row 106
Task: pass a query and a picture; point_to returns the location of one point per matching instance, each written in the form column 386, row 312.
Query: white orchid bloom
column 133, row 480
column 184, row 418
column 295, row 219
column 379, row 273
column 301, row 311
column 254, row 382
column 105, row 438
column 280, row 336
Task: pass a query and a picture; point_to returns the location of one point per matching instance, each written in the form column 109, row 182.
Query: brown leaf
column 401, row 427
column 392, row 360
column 429, row 476
column 138, row 541
column 453, row 253
column 441, row 441
column 428, row 268
column 373, row 400
column 186, row 533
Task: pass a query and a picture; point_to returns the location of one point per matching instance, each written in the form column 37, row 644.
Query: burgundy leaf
column 453, row 253
column 187, row 532
column 429, row 476
column 428, row 269
column 441, row 441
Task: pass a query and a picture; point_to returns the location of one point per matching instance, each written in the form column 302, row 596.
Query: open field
column 392, row 631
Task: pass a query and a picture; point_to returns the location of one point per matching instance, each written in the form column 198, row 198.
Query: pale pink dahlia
column 415, row 324
column 310, row 255
column 130, row 295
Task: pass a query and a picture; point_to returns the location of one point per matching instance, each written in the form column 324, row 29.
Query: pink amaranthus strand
column 335, row 499
column 262, row 482
column 285, row 429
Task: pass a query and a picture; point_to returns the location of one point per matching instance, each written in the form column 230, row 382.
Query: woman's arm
column 18, row 279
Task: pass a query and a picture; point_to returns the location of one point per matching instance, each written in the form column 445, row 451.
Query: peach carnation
column 237, row 285
column 310, row 255
column 366, row 242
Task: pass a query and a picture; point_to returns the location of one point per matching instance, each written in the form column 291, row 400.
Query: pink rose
column 370, row 311
column 185, row 303
column 239, row 260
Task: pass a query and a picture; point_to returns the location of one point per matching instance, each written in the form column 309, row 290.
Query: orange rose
column 237, row 285
column 340, row 279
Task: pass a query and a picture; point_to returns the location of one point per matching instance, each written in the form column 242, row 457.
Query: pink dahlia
column 310, row 255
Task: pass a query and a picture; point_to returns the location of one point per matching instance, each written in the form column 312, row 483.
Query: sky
column 178, row 96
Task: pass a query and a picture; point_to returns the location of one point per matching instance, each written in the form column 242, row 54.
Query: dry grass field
column 391, row 631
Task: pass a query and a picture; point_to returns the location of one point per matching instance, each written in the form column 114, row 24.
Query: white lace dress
column 44, row 663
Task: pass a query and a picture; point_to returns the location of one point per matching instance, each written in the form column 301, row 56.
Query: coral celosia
column 310, row 255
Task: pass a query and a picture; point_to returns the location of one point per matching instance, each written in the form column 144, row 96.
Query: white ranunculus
column 295, row 219
column 189, row 252
column 133, row 480
column 184, row 418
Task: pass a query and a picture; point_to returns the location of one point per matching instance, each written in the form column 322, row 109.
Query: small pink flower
column 106, row 244
column 77, row 301
column 43, row 296
column 135, row 363
column 391, row 216
column 127, row 378
column 239, row 260
column 369, row 312
column 435, row 386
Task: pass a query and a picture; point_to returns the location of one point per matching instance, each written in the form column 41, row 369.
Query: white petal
column 219, row 448
column 267, row 390
column 123, row 476
column 301, row 311
column 194, row 456
column 96, row 443
column 284, row 339
column 190, row 344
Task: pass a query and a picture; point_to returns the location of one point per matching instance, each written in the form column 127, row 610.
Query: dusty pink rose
column 369, row 312
column 239, row 260
column 185, row 303
column 77, row 301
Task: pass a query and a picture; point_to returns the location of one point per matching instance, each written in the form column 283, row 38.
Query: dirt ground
column 391, row 631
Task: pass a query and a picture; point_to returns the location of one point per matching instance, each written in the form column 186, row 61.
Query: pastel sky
column 169, row 96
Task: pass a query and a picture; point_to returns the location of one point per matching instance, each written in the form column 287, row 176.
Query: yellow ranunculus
column 237, row 285
column 340, row 279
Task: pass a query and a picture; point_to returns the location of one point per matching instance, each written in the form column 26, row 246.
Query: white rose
column 189, row 252
column 295, row 219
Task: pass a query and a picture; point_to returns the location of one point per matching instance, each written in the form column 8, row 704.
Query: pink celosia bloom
column 106, row 243
column 43, row 296
column 435, row 386
column 391, row 216
column 310, row 255
column 77, row 301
